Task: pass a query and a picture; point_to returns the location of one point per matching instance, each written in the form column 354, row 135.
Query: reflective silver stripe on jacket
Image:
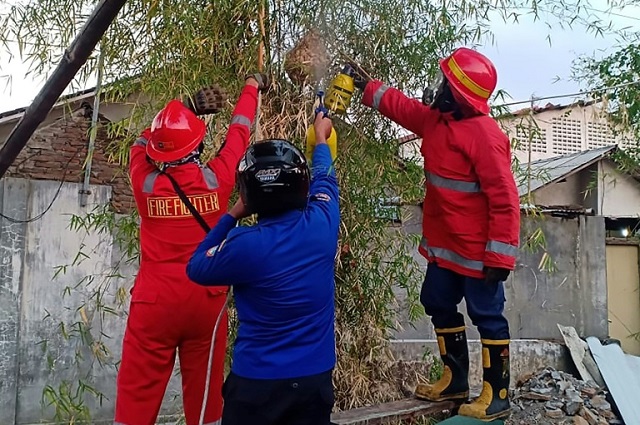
column 140, row 141
column 451, row 256
column 502, row 248
column 457, row 185
column 149, row 181
column 377, row 96
column 210, row 177
column 242, row 120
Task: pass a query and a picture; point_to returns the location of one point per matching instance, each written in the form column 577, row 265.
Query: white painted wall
column 561, row 132
column 566, row 192
column 620, row 193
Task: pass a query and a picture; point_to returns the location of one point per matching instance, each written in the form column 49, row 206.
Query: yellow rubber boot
column 493, row 402
column 454, row 384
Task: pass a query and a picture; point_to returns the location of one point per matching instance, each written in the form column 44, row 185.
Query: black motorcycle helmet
column 273, row 177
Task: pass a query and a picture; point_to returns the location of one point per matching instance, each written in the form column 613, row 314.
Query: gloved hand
column 208, row 100
column 360, row 77
column 263, row 80
column 495, row 274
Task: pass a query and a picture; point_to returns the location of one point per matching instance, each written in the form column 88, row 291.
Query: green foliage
column 158, row 50
column 619, row 72
column 68, row 400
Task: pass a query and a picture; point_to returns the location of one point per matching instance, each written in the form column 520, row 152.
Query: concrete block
column 527, row 357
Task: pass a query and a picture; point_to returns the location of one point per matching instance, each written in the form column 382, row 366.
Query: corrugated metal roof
column 621, row 373
column 546, row 171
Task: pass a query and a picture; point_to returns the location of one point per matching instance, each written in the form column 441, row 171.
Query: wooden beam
column 391, row 412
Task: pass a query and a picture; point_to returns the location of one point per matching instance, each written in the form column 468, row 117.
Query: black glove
column 207, row 100
column 360, row 77
column 495, row 274
column 263, row 80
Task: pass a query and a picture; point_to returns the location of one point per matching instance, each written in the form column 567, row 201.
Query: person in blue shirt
column 282, row 271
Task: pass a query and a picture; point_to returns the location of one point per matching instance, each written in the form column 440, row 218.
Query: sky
column 528, row 62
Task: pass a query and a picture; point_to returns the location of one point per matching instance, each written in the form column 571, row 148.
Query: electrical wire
column 603, row 89
column 606, row 12
column 55, row 196
column 635, row 18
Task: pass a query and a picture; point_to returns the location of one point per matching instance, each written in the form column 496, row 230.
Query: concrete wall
column 600, row 187
column 35, row 352
column 574, row 295
column 569, row 191
column 620, row 193
column 564, row 130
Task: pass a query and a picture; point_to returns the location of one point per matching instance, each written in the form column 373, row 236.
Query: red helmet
column 472, row 75
column 175, row 132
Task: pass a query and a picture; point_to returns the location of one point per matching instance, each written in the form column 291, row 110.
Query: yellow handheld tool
column 340, row 91
column 332, row 141
column 336, row 101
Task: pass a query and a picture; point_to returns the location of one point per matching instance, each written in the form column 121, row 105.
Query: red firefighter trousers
column 161, row 323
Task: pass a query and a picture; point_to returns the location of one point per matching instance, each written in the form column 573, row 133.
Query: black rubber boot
column 454, row 384
column 493, row 402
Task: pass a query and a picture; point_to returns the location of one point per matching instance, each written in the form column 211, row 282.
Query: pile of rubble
column 553, row 397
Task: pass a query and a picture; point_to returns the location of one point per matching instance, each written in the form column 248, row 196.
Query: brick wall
column 59, row 150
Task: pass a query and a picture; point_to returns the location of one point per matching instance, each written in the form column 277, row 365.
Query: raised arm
column 140, row 167
column 237, row 138
column 395, row 105
column 324, row 190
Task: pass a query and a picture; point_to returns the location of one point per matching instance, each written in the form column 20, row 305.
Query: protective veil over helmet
column 273, row 177
column 175, row 132
column 472, row 75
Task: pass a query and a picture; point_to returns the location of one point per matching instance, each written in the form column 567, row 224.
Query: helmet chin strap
column 192, row 157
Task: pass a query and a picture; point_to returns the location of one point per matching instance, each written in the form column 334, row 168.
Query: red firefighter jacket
column 168, row 232
column 471, row 211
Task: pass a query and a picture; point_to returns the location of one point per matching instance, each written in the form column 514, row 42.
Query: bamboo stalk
column 257, row 135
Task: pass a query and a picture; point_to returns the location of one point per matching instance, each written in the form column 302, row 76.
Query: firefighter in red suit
column 168, row 312
column 471, row 222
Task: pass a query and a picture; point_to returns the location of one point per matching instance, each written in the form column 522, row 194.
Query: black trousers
column 297, row 401
column 444, row 289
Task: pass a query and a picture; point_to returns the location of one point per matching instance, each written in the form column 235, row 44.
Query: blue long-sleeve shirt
column 282, row 270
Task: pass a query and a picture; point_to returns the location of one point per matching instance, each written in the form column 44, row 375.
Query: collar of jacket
column 286, row 216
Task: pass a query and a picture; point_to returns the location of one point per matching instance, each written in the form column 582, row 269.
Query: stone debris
column 555, row 397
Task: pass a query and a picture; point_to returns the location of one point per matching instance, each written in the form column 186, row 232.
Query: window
column 599, row 135
column 566, row 135
column 538, row 138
